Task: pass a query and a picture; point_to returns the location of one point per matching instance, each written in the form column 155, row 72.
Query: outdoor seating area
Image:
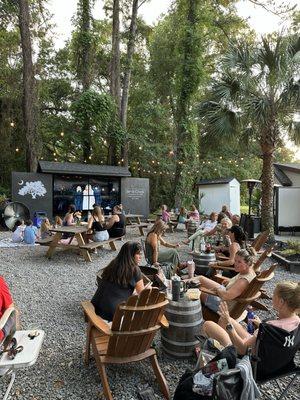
column 94, row 344
column 149, row 200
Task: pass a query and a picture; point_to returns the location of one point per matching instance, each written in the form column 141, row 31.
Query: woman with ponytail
column 243, row 265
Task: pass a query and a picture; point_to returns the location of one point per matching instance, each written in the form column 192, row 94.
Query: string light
column 62, row 134
column 90, row 157
column 140, row 147
column 12, row 124
column 17, row 149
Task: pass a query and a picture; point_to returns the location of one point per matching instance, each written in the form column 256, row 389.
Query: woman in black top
column 97, row 226
column 116, row 224
column 118, row 280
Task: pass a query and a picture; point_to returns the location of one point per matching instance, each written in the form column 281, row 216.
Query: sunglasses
column 12, row 349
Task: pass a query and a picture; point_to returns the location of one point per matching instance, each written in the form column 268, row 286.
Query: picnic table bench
column 94, row 245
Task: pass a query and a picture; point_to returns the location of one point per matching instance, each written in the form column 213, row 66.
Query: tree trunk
column 86, row 74
column 30, row 109
column 267, row 186
column 186, row 145
column 115, row 86
column 127, row 76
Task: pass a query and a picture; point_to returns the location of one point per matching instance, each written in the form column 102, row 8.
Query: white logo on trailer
column 35, row 188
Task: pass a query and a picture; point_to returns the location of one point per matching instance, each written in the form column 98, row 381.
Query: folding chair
column 275, row 353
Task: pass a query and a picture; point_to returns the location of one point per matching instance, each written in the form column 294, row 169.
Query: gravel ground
column 48, row 294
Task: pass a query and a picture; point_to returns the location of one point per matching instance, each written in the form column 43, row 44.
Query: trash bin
column 38, row 217
column 250, row 224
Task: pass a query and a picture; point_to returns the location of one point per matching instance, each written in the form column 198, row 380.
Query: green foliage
column 293, row 247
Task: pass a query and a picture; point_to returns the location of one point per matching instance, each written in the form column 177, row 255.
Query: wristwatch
column 229, row 327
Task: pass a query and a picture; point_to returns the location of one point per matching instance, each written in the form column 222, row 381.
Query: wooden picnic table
column 130, row 217
column 76, row 232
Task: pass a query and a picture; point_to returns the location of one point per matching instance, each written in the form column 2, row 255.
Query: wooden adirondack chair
column 130, row 337
column 250, row 296
column 260, row 240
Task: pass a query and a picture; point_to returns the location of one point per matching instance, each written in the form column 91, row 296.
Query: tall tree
column 83, row 50
column 115, row 86
column 30, row 107
column 258, row 95
column 189, row 79
column 127, row 75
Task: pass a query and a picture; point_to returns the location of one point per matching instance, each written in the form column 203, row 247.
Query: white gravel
column 48, row 294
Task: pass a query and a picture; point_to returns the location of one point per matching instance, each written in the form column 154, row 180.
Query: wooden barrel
column 185, row 319
column 192, row 227
column 201, row 261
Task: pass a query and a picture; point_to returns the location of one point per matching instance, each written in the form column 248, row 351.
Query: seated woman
column 286, row 302
column 96, row 224
column 116, row 225
column 69, row 218
column 206, row 226
column 155, row 255
column 237, row 241
column 45, row 229
column 165, row 215
column 118, row 280
column 57, row 222
column 243, row 265
column 18, row 233
column 182, row 217
column 219, row 232
column 194, row 213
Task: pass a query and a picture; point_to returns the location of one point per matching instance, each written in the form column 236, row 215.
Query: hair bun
column 251, row 250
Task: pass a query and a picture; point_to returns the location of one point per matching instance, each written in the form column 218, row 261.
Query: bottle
column 202, row 245
column 250, row 316
column 175, row 287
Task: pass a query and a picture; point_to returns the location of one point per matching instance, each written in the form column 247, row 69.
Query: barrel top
column 184, row 303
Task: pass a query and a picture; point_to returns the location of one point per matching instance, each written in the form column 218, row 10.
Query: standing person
column 96, row 224
column 118, row 280
column 286, row 302
column 165, row 215
column 116, row 225
column 30, row 232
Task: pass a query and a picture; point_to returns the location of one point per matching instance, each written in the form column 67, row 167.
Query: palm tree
column 256, row 95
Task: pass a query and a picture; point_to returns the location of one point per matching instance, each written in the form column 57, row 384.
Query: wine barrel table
column 192, row 227
column 201, row 261
column 185, row 320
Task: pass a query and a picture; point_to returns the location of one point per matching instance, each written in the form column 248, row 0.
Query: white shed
column 215, row 193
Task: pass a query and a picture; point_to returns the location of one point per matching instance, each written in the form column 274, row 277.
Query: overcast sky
column 63, row 10
column 259, row 19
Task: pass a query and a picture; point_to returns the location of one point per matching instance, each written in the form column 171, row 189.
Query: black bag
column 227, row 385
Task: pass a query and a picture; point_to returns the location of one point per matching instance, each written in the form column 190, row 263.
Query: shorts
column 100, row 236
column 213, row 302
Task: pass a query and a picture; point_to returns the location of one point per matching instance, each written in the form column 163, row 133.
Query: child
column 45, row 229
column 30, row 233
column 18, row 234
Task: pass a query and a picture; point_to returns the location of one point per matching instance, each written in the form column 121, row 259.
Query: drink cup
column 191, row 269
